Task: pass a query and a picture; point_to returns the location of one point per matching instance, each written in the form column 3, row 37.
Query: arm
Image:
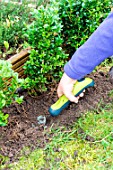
column 96, row 49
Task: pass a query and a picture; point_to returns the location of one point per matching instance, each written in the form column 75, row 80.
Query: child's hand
column 66, row 86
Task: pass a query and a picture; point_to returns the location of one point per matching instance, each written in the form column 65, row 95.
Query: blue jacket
column 96, row 49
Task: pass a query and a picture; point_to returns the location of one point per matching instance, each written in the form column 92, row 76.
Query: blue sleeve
column 96, row 49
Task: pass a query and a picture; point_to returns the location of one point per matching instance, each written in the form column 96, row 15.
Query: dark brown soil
column 23, row 129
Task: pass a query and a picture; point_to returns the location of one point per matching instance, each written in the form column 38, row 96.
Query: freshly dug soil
column 23, row 129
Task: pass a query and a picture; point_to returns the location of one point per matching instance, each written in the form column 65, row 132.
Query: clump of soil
column 23, row 129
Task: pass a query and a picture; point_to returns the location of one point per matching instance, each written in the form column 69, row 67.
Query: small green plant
column 47, row 58
column 3, row 118
column 9, row 82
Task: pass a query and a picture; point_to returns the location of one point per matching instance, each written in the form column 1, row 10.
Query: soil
column 23, row 129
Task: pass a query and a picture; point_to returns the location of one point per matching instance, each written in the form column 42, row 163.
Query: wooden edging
column 18, row 62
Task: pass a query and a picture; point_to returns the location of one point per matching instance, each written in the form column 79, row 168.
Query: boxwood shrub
column 62, row 25
column 47, row 57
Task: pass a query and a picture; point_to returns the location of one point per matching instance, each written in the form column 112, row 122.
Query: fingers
column 68, row 94
column 71, row 97
column 76, row 99
column 65, row 87
column 81, row 95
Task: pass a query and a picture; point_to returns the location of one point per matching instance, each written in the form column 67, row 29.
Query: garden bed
column 23, row 130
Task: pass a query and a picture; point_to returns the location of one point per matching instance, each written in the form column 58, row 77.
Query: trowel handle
column 63, row 101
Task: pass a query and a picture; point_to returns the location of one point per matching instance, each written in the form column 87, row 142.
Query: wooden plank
column 19, row 56
column 21, row 73
column 19, row 63
column 19, row 69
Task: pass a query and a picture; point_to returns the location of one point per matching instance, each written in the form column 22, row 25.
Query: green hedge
column 60, row 26
column 47, row 58
column 80, row 18
column 54, row 31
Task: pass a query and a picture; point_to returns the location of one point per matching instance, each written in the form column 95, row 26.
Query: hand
column 66, row 86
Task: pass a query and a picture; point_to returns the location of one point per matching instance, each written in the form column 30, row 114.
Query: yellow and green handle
column 63, row 101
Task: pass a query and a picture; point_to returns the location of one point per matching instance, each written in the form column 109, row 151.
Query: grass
column 71, row 149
